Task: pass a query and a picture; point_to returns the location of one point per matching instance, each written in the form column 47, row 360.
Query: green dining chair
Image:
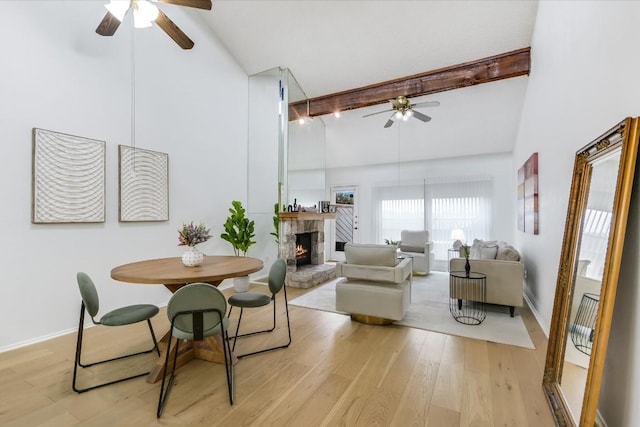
column 196, row 311
column 119, row 317
column 277, row 276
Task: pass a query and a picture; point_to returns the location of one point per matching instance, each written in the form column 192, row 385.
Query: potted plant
column 190, row 235
column 395, row 243
column 239, row 231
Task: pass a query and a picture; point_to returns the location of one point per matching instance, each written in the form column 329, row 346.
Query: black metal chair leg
column 78, row 358
column 286, row 305
column 164, row 393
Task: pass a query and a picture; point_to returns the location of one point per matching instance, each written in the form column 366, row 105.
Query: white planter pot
column 241, row 284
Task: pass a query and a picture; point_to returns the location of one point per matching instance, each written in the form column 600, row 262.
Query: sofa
column 376, row 285
column 415, row 244
column 502, row 265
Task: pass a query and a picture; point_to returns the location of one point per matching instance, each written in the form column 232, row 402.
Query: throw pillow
column 488, row 252
column 508, row 253
column 476, row 251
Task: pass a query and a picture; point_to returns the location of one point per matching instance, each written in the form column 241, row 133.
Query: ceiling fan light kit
column 144, row 14
column 403, row 110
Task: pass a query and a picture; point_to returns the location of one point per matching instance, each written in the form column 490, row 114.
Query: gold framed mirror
column 588, row 273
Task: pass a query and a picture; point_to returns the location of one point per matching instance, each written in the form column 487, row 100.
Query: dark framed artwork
column 68, row 178
column 144, row 184
column 332, row 208
column 528, row 195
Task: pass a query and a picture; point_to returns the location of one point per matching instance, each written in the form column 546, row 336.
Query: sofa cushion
column 409, row 248
column 362, row 254
column 508, row 253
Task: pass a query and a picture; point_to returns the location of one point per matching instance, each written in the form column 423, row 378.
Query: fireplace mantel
column 293, row 223
column 305, row 216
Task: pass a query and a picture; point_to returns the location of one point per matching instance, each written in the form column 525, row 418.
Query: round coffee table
column 467, row 297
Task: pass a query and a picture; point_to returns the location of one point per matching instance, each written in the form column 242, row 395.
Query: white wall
column 58, row 74
column 584, row 80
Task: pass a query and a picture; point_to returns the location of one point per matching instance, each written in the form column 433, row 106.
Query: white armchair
column 416, row 245
column 376, row 287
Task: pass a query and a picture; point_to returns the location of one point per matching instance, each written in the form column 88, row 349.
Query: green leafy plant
column 465, row 250
column 276, row 222
column 191, row 235
column 239, row 230
column 392, row 242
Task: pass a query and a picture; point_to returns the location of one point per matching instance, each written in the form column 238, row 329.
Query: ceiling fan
column 403, row 109
column 144, row 13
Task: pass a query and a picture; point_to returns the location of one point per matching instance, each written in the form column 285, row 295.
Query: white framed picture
column 68, row 178
column 144, row 185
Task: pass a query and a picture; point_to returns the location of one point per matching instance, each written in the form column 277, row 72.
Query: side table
column 583, row 327
column 452, row 253
column 467, row 297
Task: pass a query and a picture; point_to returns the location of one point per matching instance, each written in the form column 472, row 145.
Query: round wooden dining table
column 171, row 273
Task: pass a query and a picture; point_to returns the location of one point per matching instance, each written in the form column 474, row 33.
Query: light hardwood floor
column 335, row 373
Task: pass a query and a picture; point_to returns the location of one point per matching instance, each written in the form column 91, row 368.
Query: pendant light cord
column 133, row 97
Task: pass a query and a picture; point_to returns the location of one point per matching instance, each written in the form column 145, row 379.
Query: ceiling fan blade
column 108, row 25
column 173, row 31
column 427, row 104
column 390, row 121
column 198, row 4
column 418, row 115
column 378, row 112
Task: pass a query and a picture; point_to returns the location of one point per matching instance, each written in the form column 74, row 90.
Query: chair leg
column 164, row 393
column 153, row 337
column 286, row 306
column 78, row 358
column 248, row 334
column 228, row 366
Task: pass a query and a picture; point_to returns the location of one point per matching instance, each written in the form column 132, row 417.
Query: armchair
column 416, row 245
column 376, row 285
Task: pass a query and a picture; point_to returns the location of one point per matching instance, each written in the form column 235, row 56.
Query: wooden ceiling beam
column 485, row 70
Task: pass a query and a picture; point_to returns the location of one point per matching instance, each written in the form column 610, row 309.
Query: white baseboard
column 543, row 325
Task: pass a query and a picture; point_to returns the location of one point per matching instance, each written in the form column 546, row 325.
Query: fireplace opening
column 303, row 249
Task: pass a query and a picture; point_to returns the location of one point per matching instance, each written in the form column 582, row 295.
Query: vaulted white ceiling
column 332, row 46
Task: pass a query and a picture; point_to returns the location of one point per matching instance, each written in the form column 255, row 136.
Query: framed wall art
column 528, row 195
column 68, row 178
column 144, row 184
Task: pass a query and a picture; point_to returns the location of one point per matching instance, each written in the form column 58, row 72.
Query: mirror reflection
column 306, row 155
column 594, row 237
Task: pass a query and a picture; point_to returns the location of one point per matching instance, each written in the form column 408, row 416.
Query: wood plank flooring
column 335, row 373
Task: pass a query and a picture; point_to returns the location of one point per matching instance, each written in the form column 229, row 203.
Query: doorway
column 345, row 227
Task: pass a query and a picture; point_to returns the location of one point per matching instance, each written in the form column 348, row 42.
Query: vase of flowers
column 190, row 235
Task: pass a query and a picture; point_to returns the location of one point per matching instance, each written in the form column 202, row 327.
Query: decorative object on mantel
column 239, row 230
column 68, row 178
column 465, row 250
column 190, row 235
column 144, row 184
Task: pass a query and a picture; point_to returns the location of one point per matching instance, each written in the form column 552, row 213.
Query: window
column 438, row 205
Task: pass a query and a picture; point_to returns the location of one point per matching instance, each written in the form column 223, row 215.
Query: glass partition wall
column 286, row 159
column 306, row 157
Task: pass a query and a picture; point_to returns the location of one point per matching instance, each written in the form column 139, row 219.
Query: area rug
column 429, row 310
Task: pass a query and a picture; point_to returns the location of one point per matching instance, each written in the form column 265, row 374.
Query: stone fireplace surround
column 305, row 276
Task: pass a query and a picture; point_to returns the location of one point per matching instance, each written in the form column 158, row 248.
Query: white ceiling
column 331, row 46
